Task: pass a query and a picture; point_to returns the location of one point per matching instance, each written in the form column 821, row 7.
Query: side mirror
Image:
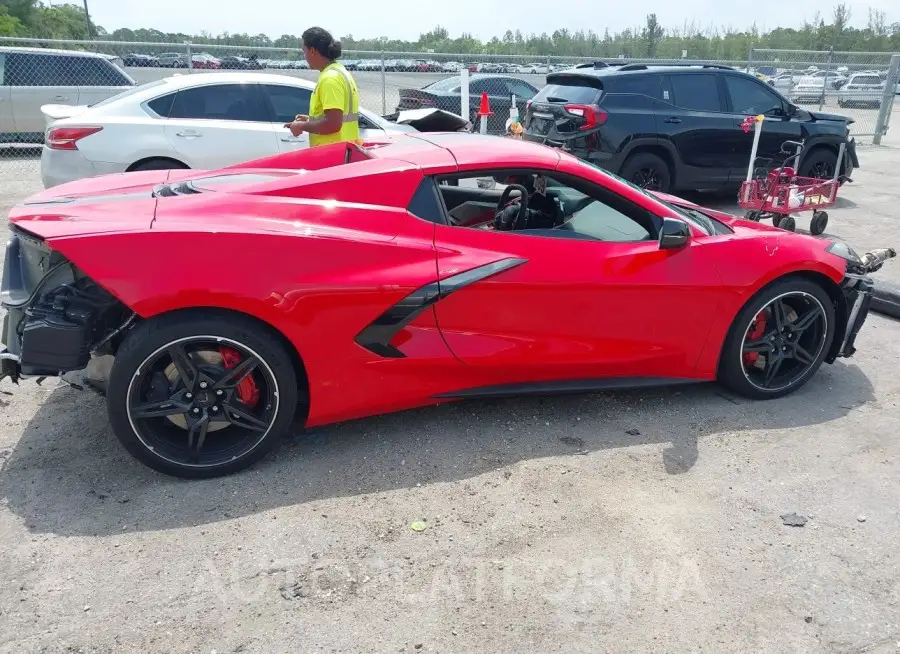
column 791, row 110
column 674, row 234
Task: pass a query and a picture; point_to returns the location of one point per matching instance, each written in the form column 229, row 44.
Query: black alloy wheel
column 202, row 394
column 783, row 341
column 779, row 339
column 202, row 401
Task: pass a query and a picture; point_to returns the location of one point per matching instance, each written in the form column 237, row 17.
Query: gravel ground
column 642, row 521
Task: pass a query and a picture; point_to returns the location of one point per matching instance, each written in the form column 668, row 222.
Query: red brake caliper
column 247, row 390
column 756, row 331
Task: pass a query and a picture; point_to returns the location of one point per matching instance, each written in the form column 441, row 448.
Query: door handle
column 188, row 133
column 62, row 98
column 673, row 120
column 288, row 139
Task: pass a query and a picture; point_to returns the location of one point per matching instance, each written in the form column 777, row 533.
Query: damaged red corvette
column 214, row 308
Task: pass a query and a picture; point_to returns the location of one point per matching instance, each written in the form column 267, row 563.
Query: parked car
column 205, row 62
column 451, row 67
column 227, row 304
column 862, row 90
column 232, row 62
column 31, row 77
column 531, row 69
column 884, row 76
column 677, row 127
column 173, row 60
column 204, row 120
column 445, row 94
column 369, row 64
column 140, row 61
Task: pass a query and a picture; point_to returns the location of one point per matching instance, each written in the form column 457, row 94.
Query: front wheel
column 819, row 163
column 778, row 340
column 197, row 395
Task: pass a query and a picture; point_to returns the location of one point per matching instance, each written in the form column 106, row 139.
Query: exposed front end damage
column 57, row 319
column 857, row 288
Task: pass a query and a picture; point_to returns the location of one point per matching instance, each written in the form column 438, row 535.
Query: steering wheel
column 523, row 207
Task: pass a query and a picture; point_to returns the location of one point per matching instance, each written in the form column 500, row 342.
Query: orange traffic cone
column 485, row 109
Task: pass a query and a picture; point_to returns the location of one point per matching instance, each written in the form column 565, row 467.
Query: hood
column 430, row 120
column 54, row 112
column 818, row 115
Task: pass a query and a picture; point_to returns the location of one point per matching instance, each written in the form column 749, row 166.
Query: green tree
column 652, row 35
column 9, row 25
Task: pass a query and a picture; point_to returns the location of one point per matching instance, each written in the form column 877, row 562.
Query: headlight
column 844, row 251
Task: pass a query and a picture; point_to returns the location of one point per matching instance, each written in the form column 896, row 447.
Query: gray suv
column 33, row 77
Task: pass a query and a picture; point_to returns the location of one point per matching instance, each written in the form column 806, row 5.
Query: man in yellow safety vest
column 334, row 105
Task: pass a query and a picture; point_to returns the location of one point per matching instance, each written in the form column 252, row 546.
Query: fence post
column 750, row 59
column 190, row 56
column 464, row 93
column 825, row 81
column 887, row 100
column 383, row 87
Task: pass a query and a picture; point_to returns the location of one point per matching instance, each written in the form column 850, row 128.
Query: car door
column 692, row 118
column 35, row 80
column 745, row 96
column 98, row 79
column 218, row 125
column 7, row 124
column 600, row 299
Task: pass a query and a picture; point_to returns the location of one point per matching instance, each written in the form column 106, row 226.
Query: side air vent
column 170, row 190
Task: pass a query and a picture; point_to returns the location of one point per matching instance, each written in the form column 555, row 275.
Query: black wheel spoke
column 760, row 345
column 172, row 406
column 197, row 433
column 773, row 365
column 236, row 375
column 779, row 313
column 807, row 320
column 183, row 364
column 240, row 417
column 803, row 356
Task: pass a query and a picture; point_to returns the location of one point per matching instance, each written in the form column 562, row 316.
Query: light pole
column 87, row 18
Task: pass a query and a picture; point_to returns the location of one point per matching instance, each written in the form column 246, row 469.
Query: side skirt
column 567, row 386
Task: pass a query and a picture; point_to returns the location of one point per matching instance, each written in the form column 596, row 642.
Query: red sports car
column 349, row 280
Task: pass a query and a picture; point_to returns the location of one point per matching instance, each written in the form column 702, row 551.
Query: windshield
column 445, row 85
column 697, row 218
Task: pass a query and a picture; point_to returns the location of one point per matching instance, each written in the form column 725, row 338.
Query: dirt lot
column 645, row 521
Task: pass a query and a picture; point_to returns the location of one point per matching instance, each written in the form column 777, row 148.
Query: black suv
column 671, row 127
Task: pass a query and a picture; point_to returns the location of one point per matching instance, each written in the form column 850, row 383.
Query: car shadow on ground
column 68, row 475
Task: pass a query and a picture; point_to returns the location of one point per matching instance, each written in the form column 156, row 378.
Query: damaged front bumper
column 857, row 289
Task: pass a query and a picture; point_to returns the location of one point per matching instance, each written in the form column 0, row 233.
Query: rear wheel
column 201, row 396
column 648, row 171
column 778, row 340
column 787, row 223
column 159, row 164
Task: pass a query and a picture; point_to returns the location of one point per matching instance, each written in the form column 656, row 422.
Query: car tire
column 642, row 167
column 819, row 163
column 158, row 164
column 175, row 442
column 799, row 296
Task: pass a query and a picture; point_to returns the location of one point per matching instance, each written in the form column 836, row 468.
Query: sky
column 406, row 19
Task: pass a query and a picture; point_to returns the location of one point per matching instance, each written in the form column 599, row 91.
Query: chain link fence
column 43, row 80
column 861, row 85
